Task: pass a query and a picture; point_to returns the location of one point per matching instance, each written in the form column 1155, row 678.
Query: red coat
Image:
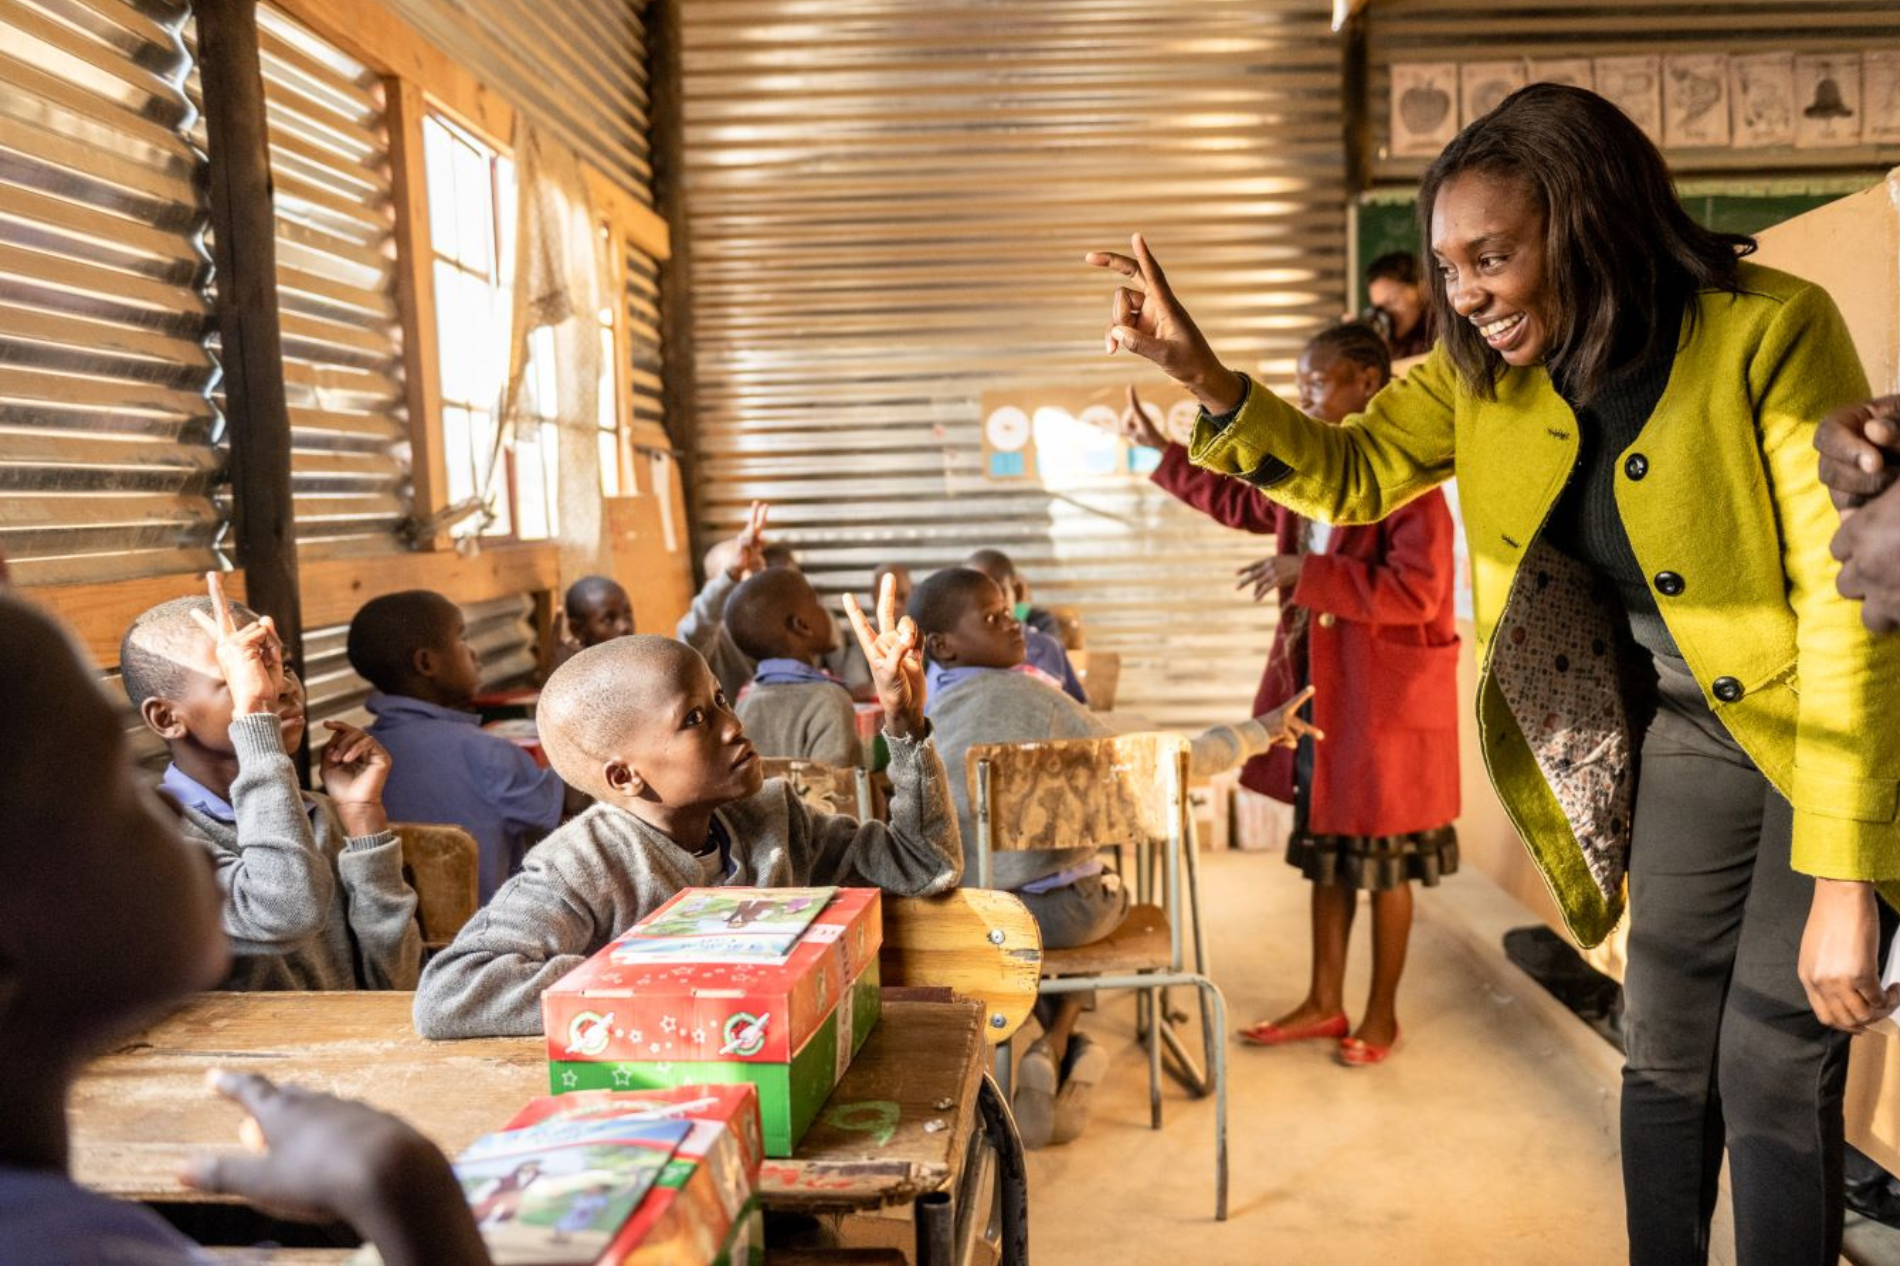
column 1382, row 648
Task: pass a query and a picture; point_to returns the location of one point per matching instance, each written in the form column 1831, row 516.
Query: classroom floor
column 1490, row 1136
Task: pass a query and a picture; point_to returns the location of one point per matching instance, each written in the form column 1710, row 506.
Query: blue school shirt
column 47, row 1218
column 1047, row 654
column 445, row 768
column 193, row 794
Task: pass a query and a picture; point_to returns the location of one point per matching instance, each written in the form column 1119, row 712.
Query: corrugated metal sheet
column 578, row 67
column 888, row 205
column 336, row 285
column 108, row 453
column 1466, row 30
column 642, row 302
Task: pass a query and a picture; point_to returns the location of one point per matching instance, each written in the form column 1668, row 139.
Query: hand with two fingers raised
column 1148, row 320
column 251, row 659
column 748, row 548
column 1284, row 725
column 896, row 655
column 313, row 1158
column 1860, row 451
column 355, row 768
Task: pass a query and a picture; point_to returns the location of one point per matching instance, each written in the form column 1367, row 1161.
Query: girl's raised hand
column 1150, row 322
column 1284, row 727
column 895, row 653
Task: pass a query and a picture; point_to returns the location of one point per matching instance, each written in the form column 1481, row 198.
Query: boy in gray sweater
column 793, row 708
column 314, row 896
column 641, row 723
column 983, row 691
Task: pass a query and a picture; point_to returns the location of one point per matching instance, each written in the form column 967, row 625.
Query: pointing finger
column 1299, row 700
column 1151, row 274
column 1118, row 263
column 861, row 626
column 887, row 604
column 220, row 606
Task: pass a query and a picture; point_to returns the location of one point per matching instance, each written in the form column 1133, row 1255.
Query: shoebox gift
column 660, row 1178
column 776, row 987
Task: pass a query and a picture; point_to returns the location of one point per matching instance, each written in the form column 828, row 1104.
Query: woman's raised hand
column 1150, row 322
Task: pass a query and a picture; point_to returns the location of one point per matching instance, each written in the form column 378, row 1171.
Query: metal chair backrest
column 824, row 788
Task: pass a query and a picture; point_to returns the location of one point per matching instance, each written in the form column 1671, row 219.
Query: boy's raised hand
column 315, row 1158
column 896, row 656
column 354, row 768
column 748, row 548
column 251, row 658
column 1284, row 727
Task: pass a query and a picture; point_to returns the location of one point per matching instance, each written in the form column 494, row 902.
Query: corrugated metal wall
column 888, row 203
column 642, row 301
column 1466, row 30
column 108, row 458
column 336, row 286
column 578, row 67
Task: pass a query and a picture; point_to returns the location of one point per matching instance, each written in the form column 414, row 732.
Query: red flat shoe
column 1353, row 1053
column 1267, row 1033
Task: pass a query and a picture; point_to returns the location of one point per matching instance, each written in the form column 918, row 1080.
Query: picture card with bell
column 1424, row 108
column 1827, row 100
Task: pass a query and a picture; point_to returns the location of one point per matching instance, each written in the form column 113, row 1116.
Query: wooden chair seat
column 1141, row 943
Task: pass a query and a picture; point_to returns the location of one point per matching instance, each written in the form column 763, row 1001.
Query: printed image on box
column 725, row 925
column 552, row 1199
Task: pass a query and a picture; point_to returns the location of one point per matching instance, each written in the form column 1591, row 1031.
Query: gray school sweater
column 604, row 871
column 1012, row 707
column 703, row 628
column 805, row 720
column 304, row 907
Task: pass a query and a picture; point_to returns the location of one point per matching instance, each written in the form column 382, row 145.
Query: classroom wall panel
column 109, row 442
column 887, row 205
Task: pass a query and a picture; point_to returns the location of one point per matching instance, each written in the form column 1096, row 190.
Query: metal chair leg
column 1214, row 1033
column 1012, row 1172
column 1156, row 1027
column 1005, row 1065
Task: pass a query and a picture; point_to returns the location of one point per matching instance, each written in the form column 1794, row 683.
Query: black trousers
column 1723, row 1049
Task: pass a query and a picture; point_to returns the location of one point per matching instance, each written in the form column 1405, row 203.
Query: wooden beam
column 631, row 218
column 336, row 588
column 244, row 245
column 678, row 366
column 1356, row 98
column 415, row 300
column 100, row 614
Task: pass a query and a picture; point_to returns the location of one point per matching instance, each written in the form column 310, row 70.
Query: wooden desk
column 139, row 1112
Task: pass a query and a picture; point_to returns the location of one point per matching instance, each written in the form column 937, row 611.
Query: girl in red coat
column 1367, row 619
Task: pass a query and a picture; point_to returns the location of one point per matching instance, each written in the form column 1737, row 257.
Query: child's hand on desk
column 896, row 656
column 1271, row 575
column 315, row 1158
column 251, row 658
column 1283, row 725
column 354, row 768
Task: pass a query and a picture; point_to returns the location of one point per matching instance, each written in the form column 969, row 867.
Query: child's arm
column 534, row 931
column 325, row 1160
column 1407, row 586
column 699, row 627
column 382, row 906
column 1225, row 746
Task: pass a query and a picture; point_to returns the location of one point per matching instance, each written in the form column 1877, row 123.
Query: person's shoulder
column 46, row 1217
column 1760, row 282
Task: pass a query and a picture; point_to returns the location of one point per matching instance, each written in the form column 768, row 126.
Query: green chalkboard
column 1387, row 219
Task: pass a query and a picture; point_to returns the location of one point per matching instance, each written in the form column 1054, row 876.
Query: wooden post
column 244, row 255
column 1356, row 89
column 415, row 299
column 678, row 367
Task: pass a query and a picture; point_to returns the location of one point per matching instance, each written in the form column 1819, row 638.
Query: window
column 608, row 433
column 472, row 229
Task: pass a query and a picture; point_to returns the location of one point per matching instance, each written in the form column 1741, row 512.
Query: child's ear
column 937, row 647
column 161, row 717
column 625, row 781
column 795, row 623
column 424, row 661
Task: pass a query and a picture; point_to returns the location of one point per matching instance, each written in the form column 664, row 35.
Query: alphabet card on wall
column 1762, row 89
column 1483, row 86
column 1827, row 90
column 1424, row 108
column 1880, row 98
column 1635, row 85
column 1695, row 101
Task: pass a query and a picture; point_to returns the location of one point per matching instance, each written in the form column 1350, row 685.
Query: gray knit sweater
column 1011, row 707
column 605, row 870
column 304, row 907
column 805, row 720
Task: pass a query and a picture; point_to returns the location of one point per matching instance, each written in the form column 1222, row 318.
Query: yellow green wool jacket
column 1720, row 497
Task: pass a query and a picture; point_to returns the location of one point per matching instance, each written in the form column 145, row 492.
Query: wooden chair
column 1101, row 675
column 825, row 788
column 1130, row 792
column 442, row 863
column 976, row 942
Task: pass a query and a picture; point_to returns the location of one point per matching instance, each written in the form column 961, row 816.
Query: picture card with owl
column 1695, row 101
column 1827, row 100
column 1572, row 72
column 1424, row 108
column 1635, row 85
column 1761, row 100
column 1880, row 97
column 1483, row 86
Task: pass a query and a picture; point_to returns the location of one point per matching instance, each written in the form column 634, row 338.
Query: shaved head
column 587, row 591
column 594, row 700
column 156, row 653
column 759, row 613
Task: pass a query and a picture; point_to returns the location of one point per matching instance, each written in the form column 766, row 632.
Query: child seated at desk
column 314, row 896
column 681, row 802
column 793, row 708
column 982, row 690
column 410, row 647
column 108, row 919
column 597, row 610
column 1042, row 647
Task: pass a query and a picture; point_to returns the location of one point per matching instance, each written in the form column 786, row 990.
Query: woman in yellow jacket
column 1628, row 409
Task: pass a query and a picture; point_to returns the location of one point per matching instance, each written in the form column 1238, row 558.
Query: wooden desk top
column 138, row 1113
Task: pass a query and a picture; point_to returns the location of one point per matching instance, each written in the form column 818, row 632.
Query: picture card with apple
column 1424, row 108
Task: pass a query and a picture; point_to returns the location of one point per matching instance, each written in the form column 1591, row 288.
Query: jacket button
column 1727, row 689
column 1636, row 466
column 1668, row 584
column 1326, row 619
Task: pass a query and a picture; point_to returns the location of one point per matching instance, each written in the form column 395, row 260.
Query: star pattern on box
column 570, row 1079
column 653, row 1048
column 669, row 1025
column 633, row 1035
column 699, row 1037
column 623, row 1076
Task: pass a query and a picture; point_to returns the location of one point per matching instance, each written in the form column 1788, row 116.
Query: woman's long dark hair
column 1619, row 249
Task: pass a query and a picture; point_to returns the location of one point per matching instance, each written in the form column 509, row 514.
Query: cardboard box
column 789, row 1025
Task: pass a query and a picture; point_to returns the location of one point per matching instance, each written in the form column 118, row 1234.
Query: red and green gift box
column 651, row 1011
